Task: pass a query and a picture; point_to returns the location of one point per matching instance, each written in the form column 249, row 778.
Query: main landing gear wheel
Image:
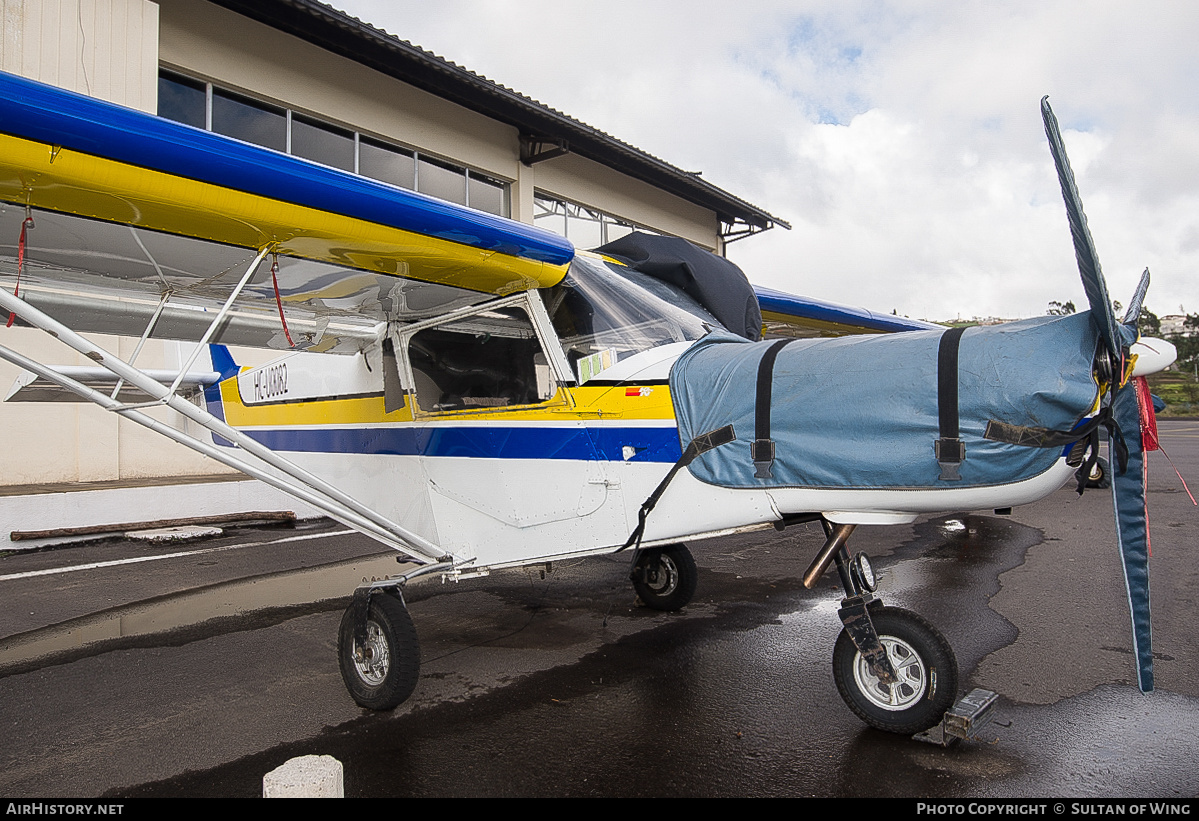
column 924, row 662
column 381, row 673
column 665, row 577
column 1101, row 476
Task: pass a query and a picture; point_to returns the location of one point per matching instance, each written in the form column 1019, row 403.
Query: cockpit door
column 501, row 450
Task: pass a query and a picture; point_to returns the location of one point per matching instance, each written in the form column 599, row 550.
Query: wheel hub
column 909, row 668
column 372, row 659
column 662, row 577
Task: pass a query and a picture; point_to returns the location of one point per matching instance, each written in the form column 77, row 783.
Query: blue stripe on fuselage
column 651, row 444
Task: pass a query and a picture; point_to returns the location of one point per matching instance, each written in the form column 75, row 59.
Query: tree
column 1060, row 308
column 1148, row 323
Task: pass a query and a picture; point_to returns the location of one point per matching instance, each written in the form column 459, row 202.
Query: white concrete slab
column 128, row 505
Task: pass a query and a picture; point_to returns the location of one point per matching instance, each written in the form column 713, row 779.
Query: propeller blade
column 1084, row 246
column 1131, row 407
column 1138, row 299
column 1132, row 519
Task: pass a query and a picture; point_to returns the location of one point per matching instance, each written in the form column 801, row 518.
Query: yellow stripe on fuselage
column 581, row 403
column 353, row 410
column 66, row 181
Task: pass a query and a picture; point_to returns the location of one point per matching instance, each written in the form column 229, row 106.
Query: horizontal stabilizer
column 29, row 387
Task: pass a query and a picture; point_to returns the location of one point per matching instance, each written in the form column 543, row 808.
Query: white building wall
column 582, row 181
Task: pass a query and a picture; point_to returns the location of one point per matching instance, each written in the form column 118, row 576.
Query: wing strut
column 220, row 317
column 162, row 303
column 301, row 484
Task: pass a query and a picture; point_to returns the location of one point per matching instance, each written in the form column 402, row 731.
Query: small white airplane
column 476, row 394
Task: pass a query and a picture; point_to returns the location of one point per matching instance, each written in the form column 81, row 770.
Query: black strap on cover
column 949, row 449
column 699, row 445
column 1087, row 432
column 762, row 449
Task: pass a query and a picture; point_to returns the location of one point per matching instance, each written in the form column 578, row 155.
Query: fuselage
column 498, row 437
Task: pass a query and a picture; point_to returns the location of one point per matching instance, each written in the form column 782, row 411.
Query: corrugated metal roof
column 356, row 40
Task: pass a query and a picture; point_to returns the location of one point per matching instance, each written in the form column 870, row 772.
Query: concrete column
column 103, row 48
column 311, row 776
column 522, row 193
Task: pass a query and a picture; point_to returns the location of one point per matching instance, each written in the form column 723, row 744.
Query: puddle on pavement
column 193, row 607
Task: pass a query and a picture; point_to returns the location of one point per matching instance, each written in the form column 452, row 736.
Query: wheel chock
column 965, row 719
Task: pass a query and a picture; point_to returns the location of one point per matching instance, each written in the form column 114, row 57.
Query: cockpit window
column 491, row 359
column 604, row 313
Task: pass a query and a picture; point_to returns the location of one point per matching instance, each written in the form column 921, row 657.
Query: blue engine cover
column 861, row 411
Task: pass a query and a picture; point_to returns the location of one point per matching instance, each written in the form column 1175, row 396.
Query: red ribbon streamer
column 25, row 226
column 278, row 300
column 1149, row 437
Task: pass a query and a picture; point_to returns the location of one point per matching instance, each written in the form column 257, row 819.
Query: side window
column 488, row 360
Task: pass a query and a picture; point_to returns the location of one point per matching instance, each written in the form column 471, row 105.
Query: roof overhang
column 355, row 40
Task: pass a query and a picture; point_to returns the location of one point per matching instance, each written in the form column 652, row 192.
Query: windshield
column 604, row 313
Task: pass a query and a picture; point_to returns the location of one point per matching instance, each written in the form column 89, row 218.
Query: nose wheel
column 925, row 674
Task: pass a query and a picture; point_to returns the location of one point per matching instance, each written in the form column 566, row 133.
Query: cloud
column 902, row 140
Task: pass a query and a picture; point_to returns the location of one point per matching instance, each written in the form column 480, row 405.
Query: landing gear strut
column 893, row 669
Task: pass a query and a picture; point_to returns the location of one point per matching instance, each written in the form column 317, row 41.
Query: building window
column 441, row 180
column 388, row 163
column 203, row 105
column 249, row 120
column 487, row 194
column 183, row 100
column 583, row 226
column 323, row 143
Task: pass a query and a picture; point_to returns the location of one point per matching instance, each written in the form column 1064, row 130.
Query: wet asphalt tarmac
column 195, row 675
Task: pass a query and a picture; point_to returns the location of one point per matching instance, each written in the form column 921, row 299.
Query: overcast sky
column 902, row 141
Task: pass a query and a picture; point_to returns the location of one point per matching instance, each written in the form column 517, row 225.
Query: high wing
column 118, row 215
column 125, row 223
column 786, row 315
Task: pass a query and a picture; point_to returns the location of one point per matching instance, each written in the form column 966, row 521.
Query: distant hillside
column 1179, row 390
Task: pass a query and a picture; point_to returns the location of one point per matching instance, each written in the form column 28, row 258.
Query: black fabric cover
column 714, row 282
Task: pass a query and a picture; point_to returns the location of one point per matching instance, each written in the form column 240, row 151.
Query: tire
column 1101, row 476
column 384, row 676
column 665, row 577
column 926, row 666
